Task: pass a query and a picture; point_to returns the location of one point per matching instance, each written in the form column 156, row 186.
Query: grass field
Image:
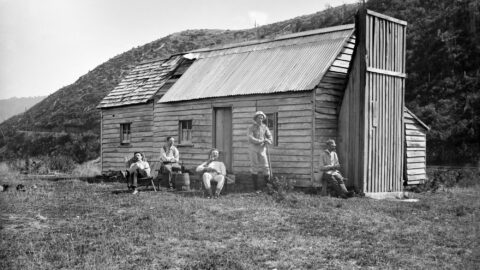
column 72, row 224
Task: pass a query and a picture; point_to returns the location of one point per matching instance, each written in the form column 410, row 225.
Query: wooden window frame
column 272, row 124
column 125, row 130
column 181, row 126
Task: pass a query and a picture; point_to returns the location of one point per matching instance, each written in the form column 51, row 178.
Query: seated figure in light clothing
column 330, row 166
column 170, row 157
column 137, row 167
column 213, row 170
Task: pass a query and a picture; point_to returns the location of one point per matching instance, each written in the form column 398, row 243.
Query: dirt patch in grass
column 78, row 225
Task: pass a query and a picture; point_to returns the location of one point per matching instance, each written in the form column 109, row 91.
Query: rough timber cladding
column 299, row 78
column 327, row 83
column 415, row 149
column 292, row 63
column 141, row 84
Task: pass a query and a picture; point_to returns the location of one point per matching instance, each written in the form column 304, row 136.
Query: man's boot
column 345, row 193
column 255, row 181
column 209, row 193
column 217, row 193
column 267, row 179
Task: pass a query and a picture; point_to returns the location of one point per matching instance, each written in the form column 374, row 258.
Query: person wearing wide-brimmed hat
column 258, row 137
column 329, row 167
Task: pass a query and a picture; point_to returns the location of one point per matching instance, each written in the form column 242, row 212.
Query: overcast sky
column 48, row 44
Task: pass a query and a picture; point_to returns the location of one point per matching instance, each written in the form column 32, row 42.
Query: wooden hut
column 297, row 80
column 415, row 149
column 127, row 111
column 344, row 82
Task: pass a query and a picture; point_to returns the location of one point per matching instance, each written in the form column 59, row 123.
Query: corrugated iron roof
column 292, row 63
column 141, row 84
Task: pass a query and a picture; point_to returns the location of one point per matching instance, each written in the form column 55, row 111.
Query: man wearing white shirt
column 170, row 157
column 213, row 170
column 137, row 167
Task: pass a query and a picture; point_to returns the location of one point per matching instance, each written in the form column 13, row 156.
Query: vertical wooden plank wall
column 415, row 149
column 371, row 117
column 328, row 97
column 350, row 129
column 384, row 96
column 291, row 158
column 101, row 141
column 113, row 153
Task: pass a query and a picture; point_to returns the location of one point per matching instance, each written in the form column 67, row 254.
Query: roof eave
column 418, row 119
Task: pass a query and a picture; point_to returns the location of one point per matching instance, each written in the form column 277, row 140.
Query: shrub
column 448, row 177
column 88, row 169
column 280, row 188
column 61, row 163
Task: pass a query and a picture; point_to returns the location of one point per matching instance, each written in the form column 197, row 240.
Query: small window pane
column 125, row 133
column 272, row 124
column 185, row 132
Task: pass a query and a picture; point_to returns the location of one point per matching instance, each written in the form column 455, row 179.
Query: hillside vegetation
column 12, row 106
column 443, row 66
column 72, row 108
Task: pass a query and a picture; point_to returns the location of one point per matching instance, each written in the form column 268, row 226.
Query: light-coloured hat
column 259, row 113
column 330, row 141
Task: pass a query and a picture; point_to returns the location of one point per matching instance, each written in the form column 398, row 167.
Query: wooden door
column 223, row 135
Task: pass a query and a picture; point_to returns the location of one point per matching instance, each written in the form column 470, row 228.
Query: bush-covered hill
column 72, row 108
column 12, row 106
column 443, row 66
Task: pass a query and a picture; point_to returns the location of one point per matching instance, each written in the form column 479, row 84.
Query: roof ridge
column 283, row 37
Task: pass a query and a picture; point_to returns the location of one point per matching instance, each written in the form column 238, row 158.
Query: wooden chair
column 154, row 172
column 229, row 181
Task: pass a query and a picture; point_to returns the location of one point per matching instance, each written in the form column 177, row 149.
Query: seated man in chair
column 137, row 168
column 330, row 166
column 213, row 169
column 170, row 157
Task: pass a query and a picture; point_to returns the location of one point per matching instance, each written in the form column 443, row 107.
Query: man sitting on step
column 330, row 166
column 215, row 170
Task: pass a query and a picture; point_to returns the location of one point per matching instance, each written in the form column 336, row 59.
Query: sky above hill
column 48, row 44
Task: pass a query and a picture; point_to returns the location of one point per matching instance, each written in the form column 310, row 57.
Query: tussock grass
column 76, row 225
column 90, row 168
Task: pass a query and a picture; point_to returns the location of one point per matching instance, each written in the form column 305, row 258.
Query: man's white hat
column 259, row 113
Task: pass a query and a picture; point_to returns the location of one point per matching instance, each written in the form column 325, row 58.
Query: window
column 125, row 133
column 272, row 125
column 185, row 131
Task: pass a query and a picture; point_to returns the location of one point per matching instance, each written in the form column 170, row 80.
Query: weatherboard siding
column 140, row 118
column 350, row 138
column 416, row 152
column 328, row 98
column 291, row 158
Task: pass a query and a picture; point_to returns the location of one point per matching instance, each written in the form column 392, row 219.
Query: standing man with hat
column 258, row 137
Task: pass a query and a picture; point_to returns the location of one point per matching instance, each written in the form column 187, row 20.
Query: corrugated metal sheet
column 141, row 84
column 286, row 64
